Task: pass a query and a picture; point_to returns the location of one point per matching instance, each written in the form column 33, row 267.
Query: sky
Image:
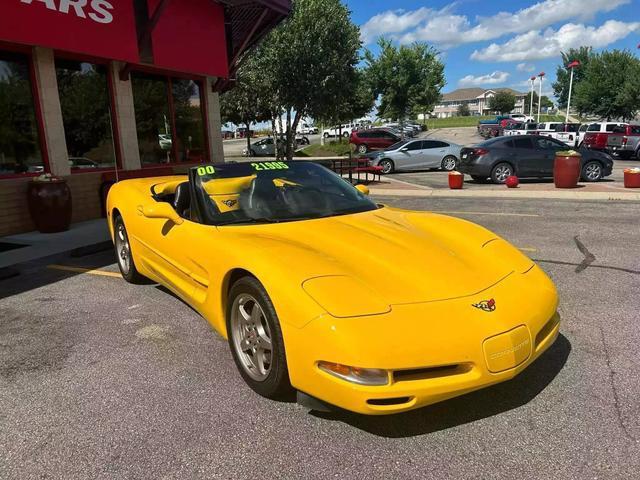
column 490, row 44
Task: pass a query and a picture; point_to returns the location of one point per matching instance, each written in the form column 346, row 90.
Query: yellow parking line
column 500, row 214
column 90, row 271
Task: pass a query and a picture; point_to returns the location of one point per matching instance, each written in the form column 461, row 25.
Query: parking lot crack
column 616, row 400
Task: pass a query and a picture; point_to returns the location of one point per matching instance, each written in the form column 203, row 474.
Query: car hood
column 401, row 256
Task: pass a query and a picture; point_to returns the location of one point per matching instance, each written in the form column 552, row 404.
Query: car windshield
column 273, row 192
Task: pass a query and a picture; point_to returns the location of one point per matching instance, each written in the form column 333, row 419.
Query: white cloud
column 392, row 21
column 535, row 45
column 525, row 67
column 489, row 79
column 445, row 28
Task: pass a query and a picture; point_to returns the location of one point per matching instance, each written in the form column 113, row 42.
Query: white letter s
column 102, row 14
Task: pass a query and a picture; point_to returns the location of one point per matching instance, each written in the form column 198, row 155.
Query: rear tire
column 500, row 172
column 449, row 163
column 126, row 263
column 255, row 339
column 387, row 166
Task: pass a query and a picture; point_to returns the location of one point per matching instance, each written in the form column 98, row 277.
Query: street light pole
column 541, row 74
column 533, row 79
column 571, row 66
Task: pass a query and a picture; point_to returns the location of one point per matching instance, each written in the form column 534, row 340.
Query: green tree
column 609, row 87
column 502, row 102
column 407, row 79
column 247, row 102
column 308, row 64
column 463, row 110
column 561, row 85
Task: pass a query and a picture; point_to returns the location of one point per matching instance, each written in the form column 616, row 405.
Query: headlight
column 361, row 376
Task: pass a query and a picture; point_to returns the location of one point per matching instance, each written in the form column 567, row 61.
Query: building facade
column 477, row 99
column 94, row 89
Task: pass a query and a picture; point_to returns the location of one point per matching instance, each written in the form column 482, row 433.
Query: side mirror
column 404, row 149
column 161, row 210
column 362, row 189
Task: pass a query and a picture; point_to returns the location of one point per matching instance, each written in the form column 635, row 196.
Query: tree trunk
column 274, row 133
column 288, row 138
column 248, row 124
column 294, row 129
column 279, row 153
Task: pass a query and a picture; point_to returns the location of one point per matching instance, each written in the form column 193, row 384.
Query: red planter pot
column 631, row 179
column 50, row 205
column 512, row 181
column 456, row 180
column 566, row 171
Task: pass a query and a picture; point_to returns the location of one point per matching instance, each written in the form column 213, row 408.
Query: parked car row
column 266, row 147
column 527, row 156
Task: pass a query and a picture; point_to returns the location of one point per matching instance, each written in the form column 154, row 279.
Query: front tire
column 387, row 166
column 592, row 172
column 500, row 172
column 256, row 339
column 126, row 264
column 449, row 163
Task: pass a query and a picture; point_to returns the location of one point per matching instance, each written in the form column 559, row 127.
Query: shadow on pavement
column 467, row 408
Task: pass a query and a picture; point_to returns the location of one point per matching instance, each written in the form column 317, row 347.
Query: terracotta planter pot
column 631, row 179
column 456, row 180
column 566, row 171
column 50, row 205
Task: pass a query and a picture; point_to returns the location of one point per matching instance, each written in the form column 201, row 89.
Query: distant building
column 476, row 98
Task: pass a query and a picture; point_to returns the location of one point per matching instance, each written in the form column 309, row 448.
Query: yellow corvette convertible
column 321, row 291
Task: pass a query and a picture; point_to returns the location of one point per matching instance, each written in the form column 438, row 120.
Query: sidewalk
column 586, row 191
column 39, row 245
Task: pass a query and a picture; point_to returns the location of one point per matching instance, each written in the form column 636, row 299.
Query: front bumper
column 434, row 351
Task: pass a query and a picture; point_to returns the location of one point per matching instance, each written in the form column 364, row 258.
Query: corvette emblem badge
column 229, row 203
column 486, row 305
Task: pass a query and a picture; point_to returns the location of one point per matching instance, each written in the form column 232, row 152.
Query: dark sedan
column 526, row 156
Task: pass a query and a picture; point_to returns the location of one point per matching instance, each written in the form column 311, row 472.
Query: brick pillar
column 45, row 71
column 216, row 153
column 126, row 119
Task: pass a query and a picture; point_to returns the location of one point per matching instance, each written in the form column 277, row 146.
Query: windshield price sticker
column 270, row 166
column 208, row 170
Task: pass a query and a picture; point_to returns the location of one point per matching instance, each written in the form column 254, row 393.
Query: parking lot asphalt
column 102, row 379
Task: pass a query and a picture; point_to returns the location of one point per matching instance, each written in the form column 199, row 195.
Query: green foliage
column 609, row 88
column 502, row 102
column 463, row 110
column 408, row 79
column 329, row 149
column 561, row 85
column 307, row 67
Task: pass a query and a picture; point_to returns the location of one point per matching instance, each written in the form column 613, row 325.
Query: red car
column 373, row 139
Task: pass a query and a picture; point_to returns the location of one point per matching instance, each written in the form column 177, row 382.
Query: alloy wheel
column 502, row 172
column 251, row 337
column 122, row 249
column 593, row 171
column 449, row 164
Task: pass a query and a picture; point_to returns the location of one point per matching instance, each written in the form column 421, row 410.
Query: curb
column 560, row 195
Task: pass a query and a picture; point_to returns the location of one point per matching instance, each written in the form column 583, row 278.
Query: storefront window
column 163, row 105
column 189, row 122
column 19, row 141
column 153, row 118
column 86, row 114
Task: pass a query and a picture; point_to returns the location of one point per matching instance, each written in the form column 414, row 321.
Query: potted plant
column 49, row 200
column 566, row 169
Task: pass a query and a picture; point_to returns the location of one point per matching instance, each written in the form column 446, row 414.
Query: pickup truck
column 495, row 126
column 567, row 133
column 624, row 141
column 529, row 128
column 597, row 134
column 547, row 128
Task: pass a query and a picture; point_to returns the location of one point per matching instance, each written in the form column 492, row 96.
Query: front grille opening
column 388, row 401
column 546, row 330
column 430, row 372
